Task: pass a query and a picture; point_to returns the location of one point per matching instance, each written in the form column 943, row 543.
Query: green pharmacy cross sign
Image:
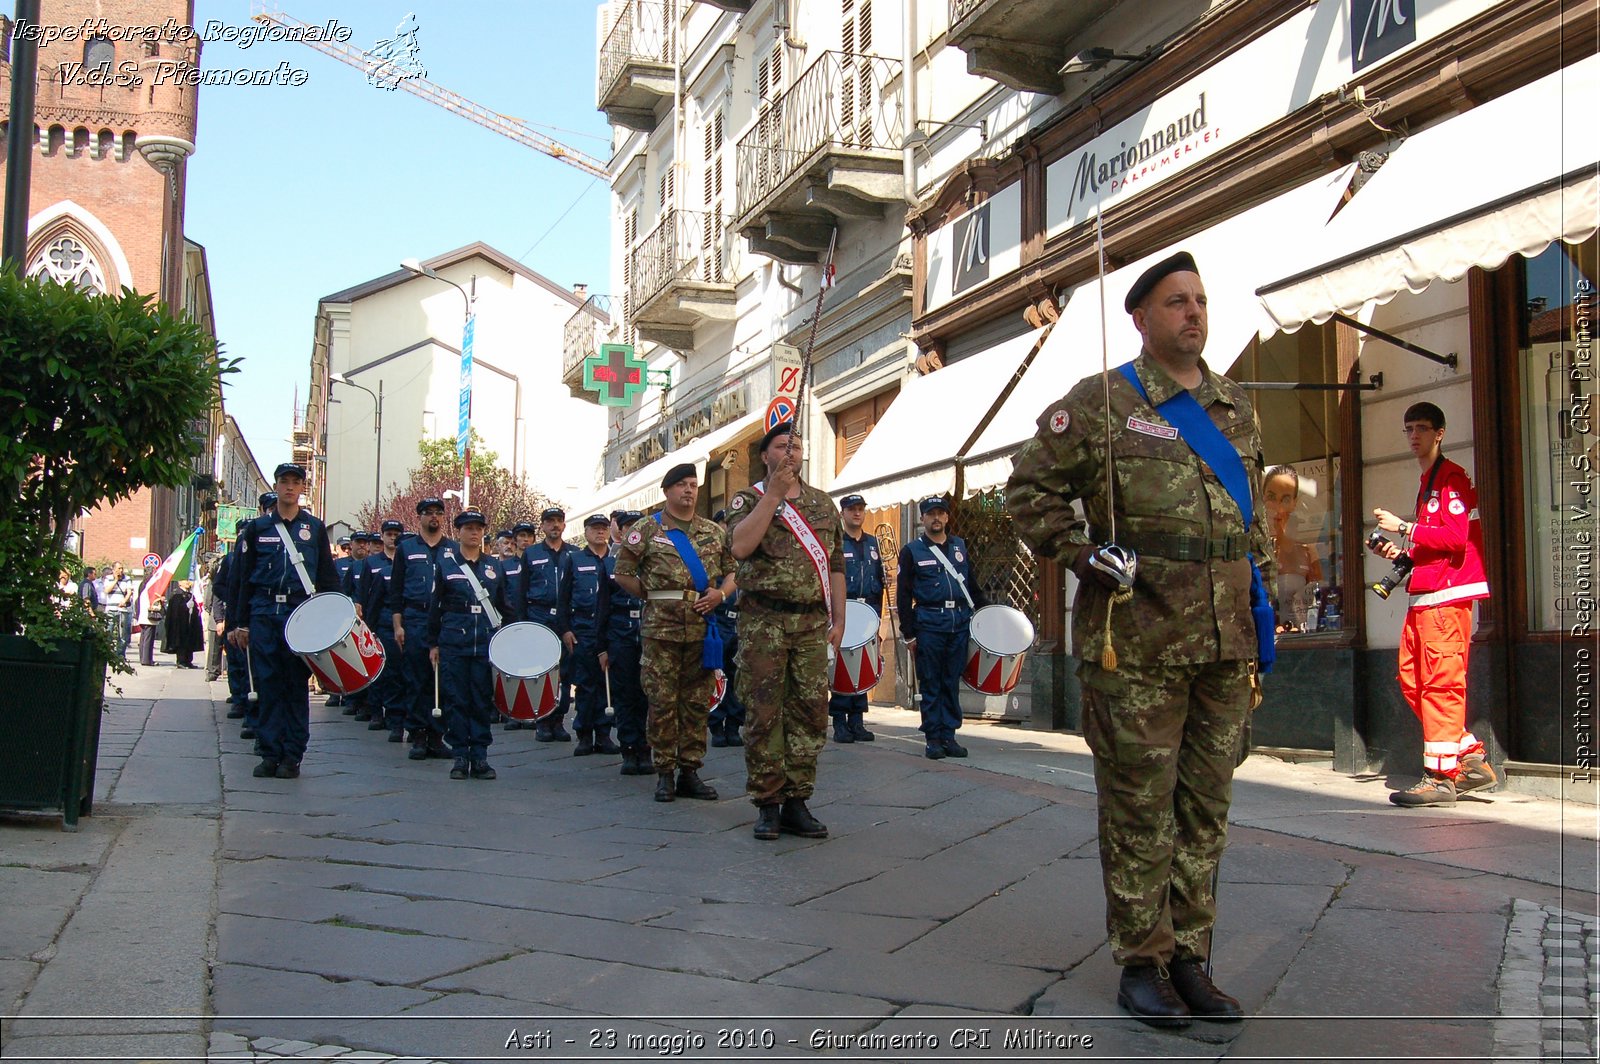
column 615, row 375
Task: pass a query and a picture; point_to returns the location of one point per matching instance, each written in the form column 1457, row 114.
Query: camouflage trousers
column 679, row 689
column 783, row 683
column 1165, row 740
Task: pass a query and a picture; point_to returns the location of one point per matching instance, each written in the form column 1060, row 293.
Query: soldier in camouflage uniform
column 784, row 632
column 1164, row 713
column 673, row 669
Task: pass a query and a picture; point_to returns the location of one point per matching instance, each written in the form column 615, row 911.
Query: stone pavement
column 375, row 909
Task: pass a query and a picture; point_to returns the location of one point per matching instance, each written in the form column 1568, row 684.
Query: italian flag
column 179, row 561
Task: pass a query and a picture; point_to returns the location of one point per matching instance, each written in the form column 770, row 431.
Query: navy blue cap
column 369, row 537
column 619, row 516
column 504, row 533
column 629, row 518
column 289, row 469
column 1180, row 262
column 597, row 521
column 430, row 503
column 554, row 513
column 851, row 500
column 344, row 541
column 391, row 525
column 470, row 517
column 933, row 502
column 268, row 500
column 524, row 526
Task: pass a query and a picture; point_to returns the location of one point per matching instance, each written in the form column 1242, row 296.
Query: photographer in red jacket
column 1445, row 547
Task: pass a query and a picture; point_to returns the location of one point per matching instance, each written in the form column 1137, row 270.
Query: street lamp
column 377, row 428
column 463, row 438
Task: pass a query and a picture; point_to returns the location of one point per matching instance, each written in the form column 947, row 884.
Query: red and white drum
column 996, row 643
column 338, row 646
column 525, row 658
column 859, row 664
column 720, row 691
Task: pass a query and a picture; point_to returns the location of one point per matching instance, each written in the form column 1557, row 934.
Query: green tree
column 501, row 498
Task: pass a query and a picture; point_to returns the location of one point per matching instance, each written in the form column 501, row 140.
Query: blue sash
column 1195, row 427
column 711, row 649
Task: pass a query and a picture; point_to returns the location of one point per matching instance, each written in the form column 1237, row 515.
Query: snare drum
column 996, row 643
column 860, row 662
column 720, row 691
column 338, row 646
column 525, row 658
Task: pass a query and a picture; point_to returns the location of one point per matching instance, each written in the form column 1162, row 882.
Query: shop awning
column 1234, row 256
column 641, row 489
column 912, row 452
column 1510, row 176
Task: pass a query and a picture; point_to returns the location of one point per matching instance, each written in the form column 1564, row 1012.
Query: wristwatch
column 1406, row 527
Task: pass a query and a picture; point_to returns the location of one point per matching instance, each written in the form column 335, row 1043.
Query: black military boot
column 585, row 745
column 691, row 786
column 266, row 770
column 1205, row 1001
column 482, row 770
column 458, row 771
column 730, row 731
column 859, row 729
column 603, row 743
column 841, row 730
column 542, row 732
column 718, row 736
column 664, row 791
column 796, row 819
column 767, row 822
column 1147, row 993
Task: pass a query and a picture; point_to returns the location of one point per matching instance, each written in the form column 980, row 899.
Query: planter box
column 50, row 703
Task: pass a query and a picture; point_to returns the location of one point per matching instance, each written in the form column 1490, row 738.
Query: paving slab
column 346, row 952
column 896, row 977
column 789, row 923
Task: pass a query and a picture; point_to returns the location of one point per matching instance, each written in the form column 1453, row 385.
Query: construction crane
column 505, row 125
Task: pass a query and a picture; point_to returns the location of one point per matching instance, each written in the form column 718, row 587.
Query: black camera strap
column 1427, row 488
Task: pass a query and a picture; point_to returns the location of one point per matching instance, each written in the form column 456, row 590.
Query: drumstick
column 250, row 671
column 437, row 711
column 607, row 673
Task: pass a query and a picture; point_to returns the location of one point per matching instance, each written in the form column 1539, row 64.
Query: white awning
column 1233, row 256
column 912, row 452
column 1510, row 176
column 641, row 489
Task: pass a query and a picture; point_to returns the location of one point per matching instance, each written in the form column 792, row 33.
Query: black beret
column 470, row 517
column 554, row 513
column 933, row 502
column 597, row 521
column 268, row 500
column 286, row 469
column 430, row 503
column 682, row 471
column 524, row 526
column 782, row 428
column 392, row 525
column 1181, row 261
column 851, row 500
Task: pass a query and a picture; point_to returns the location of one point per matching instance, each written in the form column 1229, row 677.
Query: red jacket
column 1446, row 541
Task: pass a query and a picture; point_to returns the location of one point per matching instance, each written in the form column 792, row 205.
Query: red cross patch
column 1059, row 422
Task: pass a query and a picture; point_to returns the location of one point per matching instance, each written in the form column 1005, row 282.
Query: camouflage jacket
column 1182, row 612
column 779, row 567
column 648, row 554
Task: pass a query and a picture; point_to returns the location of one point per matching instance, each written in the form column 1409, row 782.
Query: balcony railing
column 642, row 33
column 842, row 101
column 960, row 9
column 581, row 336
column 686, row 246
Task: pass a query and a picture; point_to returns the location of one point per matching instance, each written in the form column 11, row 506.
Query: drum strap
column 809, row 543
column 960, row 580
column 294, row 557
column 483, row 596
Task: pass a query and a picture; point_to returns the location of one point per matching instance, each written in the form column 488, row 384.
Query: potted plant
column 99, row 399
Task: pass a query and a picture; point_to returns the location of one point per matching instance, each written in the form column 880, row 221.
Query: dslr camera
column 1396, row 575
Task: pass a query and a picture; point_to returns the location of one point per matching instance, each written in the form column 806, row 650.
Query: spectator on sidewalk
column 182, row 634
column 89, row 590
column 117, row 590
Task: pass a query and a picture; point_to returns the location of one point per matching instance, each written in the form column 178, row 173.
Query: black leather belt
column 778, row 605
column 1229, row 548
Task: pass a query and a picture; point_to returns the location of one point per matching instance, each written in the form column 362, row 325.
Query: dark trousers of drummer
column 728, row 716
column 627, row 697
column 238, row 680
column 940, row 658
column 284, row 704
column 591, row 684
column 387, row 695
column 466, row 685
column 417, row 671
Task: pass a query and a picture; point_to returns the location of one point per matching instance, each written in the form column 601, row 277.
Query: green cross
column 615, row 375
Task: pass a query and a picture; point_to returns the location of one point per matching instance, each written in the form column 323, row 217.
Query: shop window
column 1300, row 441
column 1560, row 435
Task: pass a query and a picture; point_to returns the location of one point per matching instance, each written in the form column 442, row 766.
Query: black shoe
column 859, row 730
column 767, row 823
column 266, row 770
column 1149, row 996
column 934, row 751
column 560, row 734
column 842, row 732
column 604, row 745
column 397, row 735
column 954, row 749
column 289, row 770
column 247, row 732
column 731, row 733
column 585, row 745
column 482, row 770
column 718, row 736
column 419, row 751
column 363, row 716
column 513, row 724
column 377, row 724
column 1205, row 1001
column 664, row 786
column 335, row 701
column 437, row 749
column 691, row 786
column 257, row 749
column 458, row 771
column 796, row 819
column 235, row 713
column 543, row 733
column 349, row 708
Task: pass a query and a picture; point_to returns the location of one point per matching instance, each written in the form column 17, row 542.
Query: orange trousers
column 1433, row 678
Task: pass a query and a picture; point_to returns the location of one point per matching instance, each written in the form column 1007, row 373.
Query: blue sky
column 297, row 192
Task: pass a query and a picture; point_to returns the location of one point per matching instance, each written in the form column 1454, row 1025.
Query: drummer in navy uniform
column 279, row 553
column 523, row 535
column 863, row 582
column 727, row 716
column 511, row 568
column 386, row 696
column 541, row 582
column 583, row 574
column 238, row 672
column 411, row 592
column 470, row 606
column 938, row 594
column 358, row 704
column 617, row 618
column 342, row 561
